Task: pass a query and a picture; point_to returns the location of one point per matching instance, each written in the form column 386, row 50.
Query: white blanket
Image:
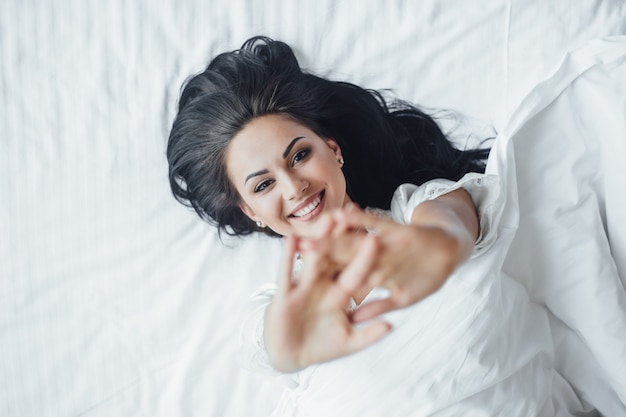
column 564, row 146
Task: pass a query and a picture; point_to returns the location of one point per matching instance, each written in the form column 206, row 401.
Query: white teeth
column 306, row 210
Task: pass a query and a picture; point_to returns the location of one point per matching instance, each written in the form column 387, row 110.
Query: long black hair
column 384, row 143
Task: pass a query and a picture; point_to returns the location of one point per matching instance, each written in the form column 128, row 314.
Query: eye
column 300, row 155
column 262, row 185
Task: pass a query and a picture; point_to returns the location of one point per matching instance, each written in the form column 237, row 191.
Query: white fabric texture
column 566, row 141
column 117, row 301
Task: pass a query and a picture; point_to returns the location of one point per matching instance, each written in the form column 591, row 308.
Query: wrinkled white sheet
column 565, row 147
column 114, row 299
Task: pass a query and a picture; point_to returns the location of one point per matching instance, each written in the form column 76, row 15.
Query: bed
column 117, row 301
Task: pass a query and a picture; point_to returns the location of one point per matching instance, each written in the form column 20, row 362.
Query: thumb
column 368, row 335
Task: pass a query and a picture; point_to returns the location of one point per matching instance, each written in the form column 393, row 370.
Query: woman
column 258, row 145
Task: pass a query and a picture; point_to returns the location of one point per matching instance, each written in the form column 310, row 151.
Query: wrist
column 282, row 358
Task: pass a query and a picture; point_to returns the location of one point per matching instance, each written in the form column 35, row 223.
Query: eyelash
column 262, row 186
column 302, row 153
column 297, row 157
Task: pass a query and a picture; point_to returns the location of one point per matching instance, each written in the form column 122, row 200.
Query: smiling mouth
column 310, row 207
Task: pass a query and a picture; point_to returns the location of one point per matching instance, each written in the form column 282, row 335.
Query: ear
column 248, row 211
column 334, row 146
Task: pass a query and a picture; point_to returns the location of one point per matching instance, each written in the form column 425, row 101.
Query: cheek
column 337, row 173
column 337, row 181
column 330, row 167
column 270, row 207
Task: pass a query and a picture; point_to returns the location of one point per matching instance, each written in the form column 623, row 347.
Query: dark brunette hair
column 384, row 143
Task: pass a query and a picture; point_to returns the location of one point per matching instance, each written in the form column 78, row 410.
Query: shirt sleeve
column 254, row 356
column 485, row 193
column 253, row 353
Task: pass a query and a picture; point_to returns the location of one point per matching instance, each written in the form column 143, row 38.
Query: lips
column 308, row 207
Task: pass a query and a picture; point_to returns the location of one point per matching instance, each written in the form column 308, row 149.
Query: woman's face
column 285, row 174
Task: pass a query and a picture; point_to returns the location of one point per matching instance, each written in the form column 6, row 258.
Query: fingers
column 351, row 217
column 324, row 227
column 353, row 276
column 348, row 259
column 374, row 309
column 356, row 272
column 285, row 283
column 341, row 249
column 340, row 228
column 372, row 333
column 316, row 267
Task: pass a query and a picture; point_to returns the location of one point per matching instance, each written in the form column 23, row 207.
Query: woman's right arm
column 415, row 259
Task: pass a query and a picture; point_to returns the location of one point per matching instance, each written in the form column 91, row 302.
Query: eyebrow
column 287, row 150
column 291, row 145
column 255, row 174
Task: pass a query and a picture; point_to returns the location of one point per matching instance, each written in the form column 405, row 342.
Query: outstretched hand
column 308, row 320
column 413, row 260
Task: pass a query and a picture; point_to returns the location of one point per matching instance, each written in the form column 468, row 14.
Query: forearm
column 455, row 217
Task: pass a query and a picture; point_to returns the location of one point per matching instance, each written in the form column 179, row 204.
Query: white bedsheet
column 114, row 299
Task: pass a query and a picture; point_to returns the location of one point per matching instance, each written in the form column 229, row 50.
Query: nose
column 294, row 187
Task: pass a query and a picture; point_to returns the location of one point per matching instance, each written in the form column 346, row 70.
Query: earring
column 259, row 224
column 341, row 162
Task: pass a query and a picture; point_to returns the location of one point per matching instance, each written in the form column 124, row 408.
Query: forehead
column 265, row 133
column 268, row 129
